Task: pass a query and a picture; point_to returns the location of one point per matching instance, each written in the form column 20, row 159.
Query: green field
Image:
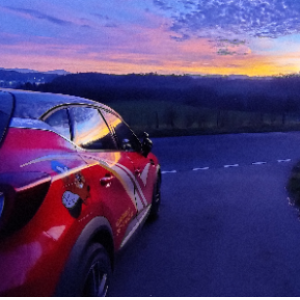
column 161, row 118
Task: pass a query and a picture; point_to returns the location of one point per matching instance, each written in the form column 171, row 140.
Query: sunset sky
column 248, row 37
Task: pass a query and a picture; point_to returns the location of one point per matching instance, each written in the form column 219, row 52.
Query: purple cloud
column 184, row 37
column 38, row 15
column 162, row 4
column 225, row 52
column 101, row 17
column 257, row 18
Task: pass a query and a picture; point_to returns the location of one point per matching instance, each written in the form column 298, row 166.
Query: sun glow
column 136, row 41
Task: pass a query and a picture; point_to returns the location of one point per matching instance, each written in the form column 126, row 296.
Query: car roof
column 33, row 105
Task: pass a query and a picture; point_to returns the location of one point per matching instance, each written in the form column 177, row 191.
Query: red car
column 75, row 185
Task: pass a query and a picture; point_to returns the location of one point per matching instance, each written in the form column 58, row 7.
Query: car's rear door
column 111, row 187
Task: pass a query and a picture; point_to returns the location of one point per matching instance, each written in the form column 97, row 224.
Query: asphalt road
column 225, row 228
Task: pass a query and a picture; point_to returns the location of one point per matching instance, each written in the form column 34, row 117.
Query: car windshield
column 6, row 109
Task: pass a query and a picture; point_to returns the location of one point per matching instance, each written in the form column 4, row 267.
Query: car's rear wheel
column 97, row 272
column 156, row 199
column 88, row 274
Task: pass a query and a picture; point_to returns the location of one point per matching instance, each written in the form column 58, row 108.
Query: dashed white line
column 284, row 160
column 229, row 166
column 173, row 171
column 204, row 168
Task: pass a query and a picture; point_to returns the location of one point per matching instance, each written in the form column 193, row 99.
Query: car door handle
column 106, row 180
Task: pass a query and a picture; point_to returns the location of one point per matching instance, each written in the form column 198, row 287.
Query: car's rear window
column 34, row 105
column 6, row 110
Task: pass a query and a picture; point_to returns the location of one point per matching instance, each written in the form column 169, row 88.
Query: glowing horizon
column 215, row 37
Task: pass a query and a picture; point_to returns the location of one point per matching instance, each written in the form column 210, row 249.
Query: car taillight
column 20, row 197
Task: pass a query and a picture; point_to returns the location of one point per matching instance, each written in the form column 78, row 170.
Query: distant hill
column 15, row 77
column 58, row 72
column 278, row 94
column 20, row 70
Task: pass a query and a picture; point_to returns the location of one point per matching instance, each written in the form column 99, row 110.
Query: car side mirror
column 146, row 144
column 126, row 145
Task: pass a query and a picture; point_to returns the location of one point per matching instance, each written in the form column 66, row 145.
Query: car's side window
column 89, row 129
column 59, row 121
column 126, row 139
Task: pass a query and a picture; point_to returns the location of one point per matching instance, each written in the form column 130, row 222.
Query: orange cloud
column 147, row 50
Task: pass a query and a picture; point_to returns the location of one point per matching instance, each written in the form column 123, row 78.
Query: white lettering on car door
column 144, row 174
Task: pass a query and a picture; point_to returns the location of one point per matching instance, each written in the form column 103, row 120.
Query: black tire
column 90, row 275
column 156, row 199
column 96, row 273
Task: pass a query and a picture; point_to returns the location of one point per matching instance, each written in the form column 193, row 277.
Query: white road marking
column 164, row 172
column 228, row 166
column 284, row 160
column 259, row 163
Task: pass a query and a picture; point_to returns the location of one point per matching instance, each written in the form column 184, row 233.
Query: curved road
column 225, row 228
